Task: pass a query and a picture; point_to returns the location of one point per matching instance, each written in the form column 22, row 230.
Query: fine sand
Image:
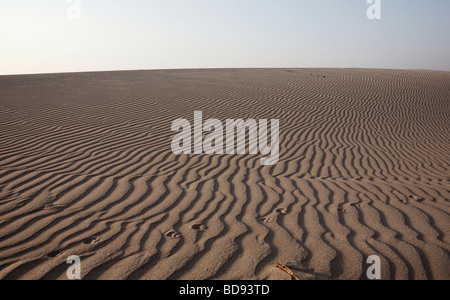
column 86, row 169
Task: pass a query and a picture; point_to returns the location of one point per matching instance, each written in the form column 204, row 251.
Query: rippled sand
column 86, row 169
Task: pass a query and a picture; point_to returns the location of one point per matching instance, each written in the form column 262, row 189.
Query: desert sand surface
column 86, row 169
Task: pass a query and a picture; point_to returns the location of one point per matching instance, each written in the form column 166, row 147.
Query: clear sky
column 39, row 37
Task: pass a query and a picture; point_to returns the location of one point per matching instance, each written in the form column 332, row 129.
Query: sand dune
column 86, row 169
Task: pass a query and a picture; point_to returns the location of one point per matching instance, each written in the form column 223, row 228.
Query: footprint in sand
column 92, row 241
column 282, row 211
column 199, row 227
column 405, row 201
column 172, row 234
column 417, row 198
column 265, row 220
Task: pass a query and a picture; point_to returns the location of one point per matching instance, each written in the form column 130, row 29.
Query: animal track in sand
column 405, row 201
column 342, row 211
column 265, row 220
column 417, row 198
column 199, row 227
column 92, row 241
column 172, row 234
column 282, row 211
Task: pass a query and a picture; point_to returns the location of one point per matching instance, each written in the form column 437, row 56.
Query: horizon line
column 218, row 68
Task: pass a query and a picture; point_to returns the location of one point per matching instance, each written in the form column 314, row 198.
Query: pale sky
column 39, row 37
